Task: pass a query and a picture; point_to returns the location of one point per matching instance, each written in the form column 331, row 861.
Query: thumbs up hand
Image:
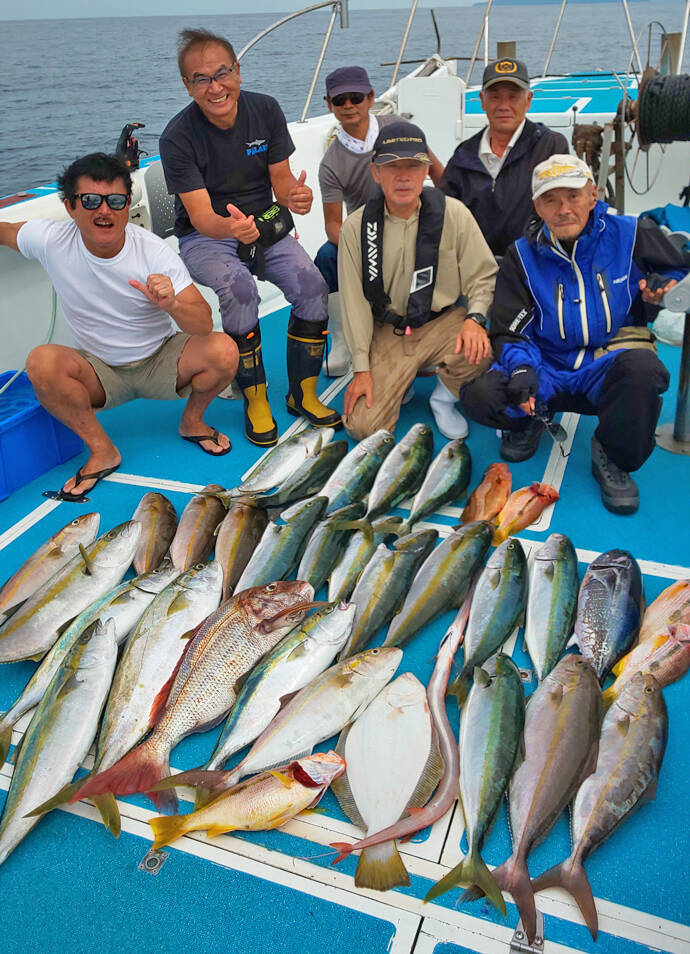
column 300, row 196
column 241, row 226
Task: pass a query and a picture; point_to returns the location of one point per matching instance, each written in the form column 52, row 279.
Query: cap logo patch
column 506, row 66
column 559, row 170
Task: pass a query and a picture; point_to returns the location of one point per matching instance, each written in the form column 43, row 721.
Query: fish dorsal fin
column 284, row 779
column 85, row 557
column 65, row 626
column 181, row 602
column 430, row 777
column 341, row 786
column 288, row 697
column 10, row 611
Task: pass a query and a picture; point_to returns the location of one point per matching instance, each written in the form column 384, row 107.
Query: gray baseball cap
column 506, row 71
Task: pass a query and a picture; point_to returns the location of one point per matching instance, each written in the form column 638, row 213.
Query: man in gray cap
column 344, row 177
column 569, row 329
column 491, row 172
column 404, row 259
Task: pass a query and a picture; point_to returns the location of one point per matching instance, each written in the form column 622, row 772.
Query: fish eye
column 271, row 587
column 75, row 523
column 374, row 652
column 648, row 690
column 198, row 566
column 110, row 535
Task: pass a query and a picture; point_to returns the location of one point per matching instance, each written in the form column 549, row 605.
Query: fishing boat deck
column 70, row 885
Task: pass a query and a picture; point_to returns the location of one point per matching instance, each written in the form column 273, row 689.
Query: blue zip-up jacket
column 555, row 309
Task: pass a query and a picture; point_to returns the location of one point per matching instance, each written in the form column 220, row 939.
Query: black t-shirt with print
column 232, row 164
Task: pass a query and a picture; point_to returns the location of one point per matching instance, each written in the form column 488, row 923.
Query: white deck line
column 159, row 483
column 17, row 529
column 332, row 884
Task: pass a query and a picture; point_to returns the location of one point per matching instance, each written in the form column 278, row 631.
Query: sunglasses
column 342, row 98
column 93, row 200
column 203, row 82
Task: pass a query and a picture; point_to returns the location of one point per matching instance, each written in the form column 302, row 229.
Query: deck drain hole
column 153, row 860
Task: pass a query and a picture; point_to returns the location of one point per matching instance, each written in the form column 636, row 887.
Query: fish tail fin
column 572, row 877
column 473, row 871
column 343, row 848
column 63, row 796
column 381, row 868
column 513, row 876
column 167, row 828
column 207, row 784
column 109, row 812
column 138, row 771
column 5, row 741
column 458, row 688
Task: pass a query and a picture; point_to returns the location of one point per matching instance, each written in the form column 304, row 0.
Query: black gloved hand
column 523, row 384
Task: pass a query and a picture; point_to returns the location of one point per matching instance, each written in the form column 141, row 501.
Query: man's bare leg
column 209, row 364
column 69, row 389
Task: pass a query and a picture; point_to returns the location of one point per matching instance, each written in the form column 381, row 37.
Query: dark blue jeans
column 327, row 263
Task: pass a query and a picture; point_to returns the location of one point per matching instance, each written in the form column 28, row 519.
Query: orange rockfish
column 524, row 506
column 265, row 801
column 490, row 496
column 672, row 606
column 665, row 656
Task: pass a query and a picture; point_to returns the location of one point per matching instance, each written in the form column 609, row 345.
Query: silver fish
column 353, row 477
column 158, row 520
column 551, row 603
column 384, row 582
column 402, row 472
column 238, row 537
column 124, row 605
column 356, row 555
column 609, row 609
column 50, row 557
column 326, row 544
column 283, row 460
column 61, row 731
column 31, row 631
column 282, row 545
column 446, row 480
column 631, row 749
column 195, row 535
column 297, row 659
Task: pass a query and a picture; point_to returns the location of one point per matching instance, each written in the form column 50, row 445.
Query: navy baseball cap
column 400, row 140
column 506, row 71
column 348, row 79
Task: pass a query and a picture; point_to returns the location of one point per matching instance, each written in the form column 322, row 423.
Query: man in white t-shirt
column 124, row 293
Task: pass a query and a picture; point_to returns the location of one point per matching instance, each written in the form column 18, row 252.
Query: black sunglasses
column 342, row 98
column 93, row 200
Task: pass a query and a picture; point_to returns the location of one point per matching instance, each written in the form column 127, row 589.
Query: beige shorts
column 154, row 377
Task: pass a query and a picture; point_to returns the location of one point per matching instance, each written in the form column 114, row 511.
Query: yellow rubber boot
column 259, row 425
column 305, row 346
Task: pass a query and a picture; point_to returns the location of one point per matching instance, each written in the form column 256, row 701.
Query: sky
column 40, row 9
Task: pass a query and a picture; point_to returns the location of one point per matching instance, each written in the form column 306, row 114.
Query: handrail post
column 554, row 37
column 317, row 69
column 404, row 41
column 636, row 52
column 485, row 18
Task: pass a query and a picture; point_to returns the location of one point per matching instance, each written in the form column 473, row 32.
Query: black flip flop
column 79, row 477
column 209, row 437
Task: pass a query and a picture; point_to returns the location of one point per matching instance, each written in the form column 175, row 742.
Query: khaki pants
column 394, row 361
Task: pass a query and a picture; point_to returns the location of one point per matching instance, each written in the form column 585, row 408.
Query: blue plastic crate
column 31, row 440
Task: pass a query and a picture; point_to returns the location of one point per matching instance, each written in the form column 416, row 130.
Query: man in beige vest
column 404, row 259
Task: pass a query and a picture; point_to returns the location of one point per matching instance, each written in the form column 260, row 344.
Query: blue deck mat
column 68, row 860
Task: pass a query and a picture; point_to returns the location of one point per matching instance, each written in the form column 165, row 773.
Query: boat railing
column 338, row 8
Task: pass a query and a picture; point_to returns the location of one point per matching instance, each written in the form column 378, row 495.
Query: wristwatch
column 478, row 317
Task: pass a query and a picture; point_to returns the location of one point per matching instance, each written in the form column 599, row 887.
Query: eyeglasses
column 221, row 76
column 93, row 200
column 342, row 98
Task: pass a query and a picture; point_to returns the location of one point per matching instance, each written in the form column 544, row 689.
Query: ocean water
column 68, row 86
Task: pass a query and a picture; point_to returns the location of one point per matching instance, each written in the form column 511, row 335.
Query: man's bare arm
column 333, row 220
column 8, row 234
column 207, row 221
column 435, row 169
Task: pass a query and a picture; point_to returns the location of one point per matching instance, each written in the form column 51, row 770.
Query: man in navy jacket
column 569, row 329
column 492, row 171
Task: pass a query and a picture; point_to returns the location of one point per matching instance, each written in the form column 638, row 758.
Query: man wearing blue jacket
column 569, row 329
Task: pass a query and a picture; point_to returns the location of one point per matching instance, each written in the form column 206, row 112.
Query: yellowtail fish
column 158, row 520
column 196, row 532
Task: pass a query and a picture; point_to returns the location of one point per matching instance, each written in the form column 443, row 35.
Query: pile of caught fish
column 235, row 640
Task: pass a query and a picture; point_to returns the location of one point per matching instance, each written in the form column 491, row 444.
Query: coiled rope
column 663, row 109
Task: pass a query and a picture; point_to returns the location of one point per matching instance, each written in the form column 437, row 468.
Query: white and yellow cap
column 560, row 172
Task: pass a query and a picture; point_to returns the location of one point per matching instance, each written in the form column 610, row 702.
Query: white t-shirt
column 493, row 163
column 107, row 317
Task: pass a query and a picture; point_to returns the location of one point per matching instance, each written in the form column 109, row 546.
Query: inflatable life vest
column 431, row 217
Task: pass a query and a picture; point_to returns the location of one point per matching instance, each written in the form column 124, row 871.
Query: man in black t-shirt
column 225, row 156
